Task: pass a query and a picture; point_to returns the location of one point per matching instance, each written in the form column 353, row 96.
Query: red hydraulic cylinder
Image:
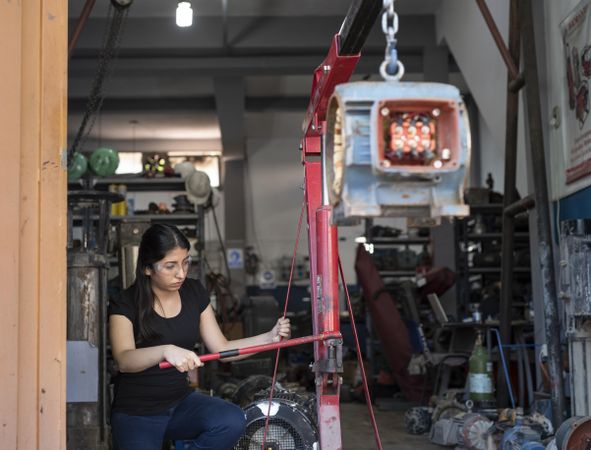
column 327, row 265
column 329, row 364
column 323, row 246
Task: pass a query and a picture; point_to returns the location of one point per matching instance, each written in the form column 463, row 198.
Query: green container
column 77, row 167
column 480, row 373
column 104, row 161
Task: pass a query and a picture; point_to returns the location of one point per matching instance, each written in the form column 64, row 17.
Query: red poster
column 576, row 37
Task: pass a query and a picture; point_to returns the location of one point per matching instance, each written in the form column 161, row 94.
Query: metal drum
column 574, row 434
column 86, row 398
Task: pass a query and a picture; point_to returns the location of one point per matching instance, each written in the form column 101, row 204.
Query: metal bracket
column 334, row 362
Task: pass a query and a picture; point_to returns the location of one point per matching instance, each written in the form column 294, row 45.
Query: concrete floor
column 358, row 433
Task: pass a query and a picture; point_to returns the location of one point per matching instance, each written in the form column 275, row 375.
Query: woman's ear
column 147, row 271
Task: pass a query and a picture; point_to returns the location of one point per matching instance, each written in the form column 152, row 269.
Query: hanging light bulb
column 184, row 14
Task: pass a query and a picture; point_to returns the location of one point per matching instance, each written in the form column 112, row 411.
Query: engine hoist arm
column 335, row 69
column 339, row 64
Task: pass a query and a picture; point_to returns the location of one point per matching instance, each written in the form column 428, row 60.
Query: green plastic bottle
column 480, row 373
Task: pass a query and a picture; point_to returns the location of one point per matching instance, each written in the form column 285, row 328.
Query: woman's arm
column 216, row 342
column 131, row 359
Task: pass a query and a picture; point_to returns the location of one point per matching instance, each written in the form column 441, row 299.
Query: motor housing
column 292, row 423
column 396, row 149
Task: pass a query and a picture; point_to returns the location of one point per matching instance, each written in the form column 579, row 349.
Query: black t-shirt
column 154, row 390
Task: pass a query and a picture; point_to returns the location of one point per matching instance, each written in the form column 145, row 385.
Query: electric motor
column 292, row 423
column 396, row 149
column 574, row 434
column 417, row 420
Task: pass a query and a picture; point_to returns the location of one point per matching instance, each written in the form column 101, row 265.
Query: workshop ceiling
column 168, row 82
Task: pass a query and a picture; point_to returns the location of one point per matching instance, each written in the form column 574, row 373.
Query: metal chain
column 111, row 43
column 391, row 68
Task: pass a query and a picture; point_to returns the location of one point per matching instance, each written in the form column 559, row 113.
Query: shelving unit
column 176, row 218
column 397, row 259
column 135, row 184
column 400, row 241
column 392, row 265
column 477, row 237
column 141, row 184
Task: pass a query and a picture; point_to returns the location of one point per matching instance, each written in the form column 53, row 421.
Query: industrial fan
column 292, row 423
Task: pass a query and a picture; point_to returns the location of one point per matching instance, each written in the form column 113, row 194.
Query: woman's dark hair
column 156, row 242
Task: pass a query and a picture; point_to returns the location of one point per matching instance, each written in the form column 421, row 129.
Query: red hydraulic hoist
column 369, row 149
column 337, row 68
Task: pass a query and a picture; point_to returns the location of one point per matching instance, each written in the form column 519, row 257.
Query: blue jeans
column 200, row 422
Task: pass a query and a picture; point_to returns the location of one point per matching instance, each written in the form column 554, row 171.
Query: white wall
column 461, row 26
column 274, row 191
column 491, row 156
column 275, row 177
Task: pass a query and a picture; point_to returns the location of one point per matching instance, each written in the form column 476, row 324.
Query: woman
column 159, row 318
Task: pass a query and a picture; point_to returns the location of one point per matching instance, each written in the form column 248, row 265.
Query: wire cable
column 360, row 360
column 271, row 391
column 217, row 229
column 116, row 19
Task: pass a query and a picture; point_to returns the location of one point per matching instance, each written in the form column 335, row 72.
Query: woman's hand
column 282, row 329
column 183, row 360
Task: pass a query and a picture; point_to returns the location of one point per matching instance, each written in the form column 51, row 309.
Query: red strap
column 354, row 328
column 295, row 249
column 360, row 360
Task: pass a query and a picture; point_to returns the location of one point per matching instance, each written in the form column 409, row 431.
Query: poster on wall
column 576, row 38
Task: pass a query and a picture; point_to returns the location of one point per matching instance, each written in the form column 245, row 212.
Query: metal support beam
column 291, row 35
column 173, row 67
column 546, row 252
column 507, row 55
column 80, row 25
column 509, row 198
column 229, row 98
column 357, row 24
column 190, row 104
column 511, row 210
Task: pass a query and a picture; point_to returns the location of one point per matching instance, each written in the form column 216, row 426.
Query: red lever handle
column 262, row 348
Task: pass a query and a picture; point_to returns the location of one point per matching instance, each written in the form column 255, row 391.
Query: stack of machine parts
column 522, row 437
column 574, row 289
column 468, row 430
column 508, row 429
column 292, row 422
column 87, row 398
